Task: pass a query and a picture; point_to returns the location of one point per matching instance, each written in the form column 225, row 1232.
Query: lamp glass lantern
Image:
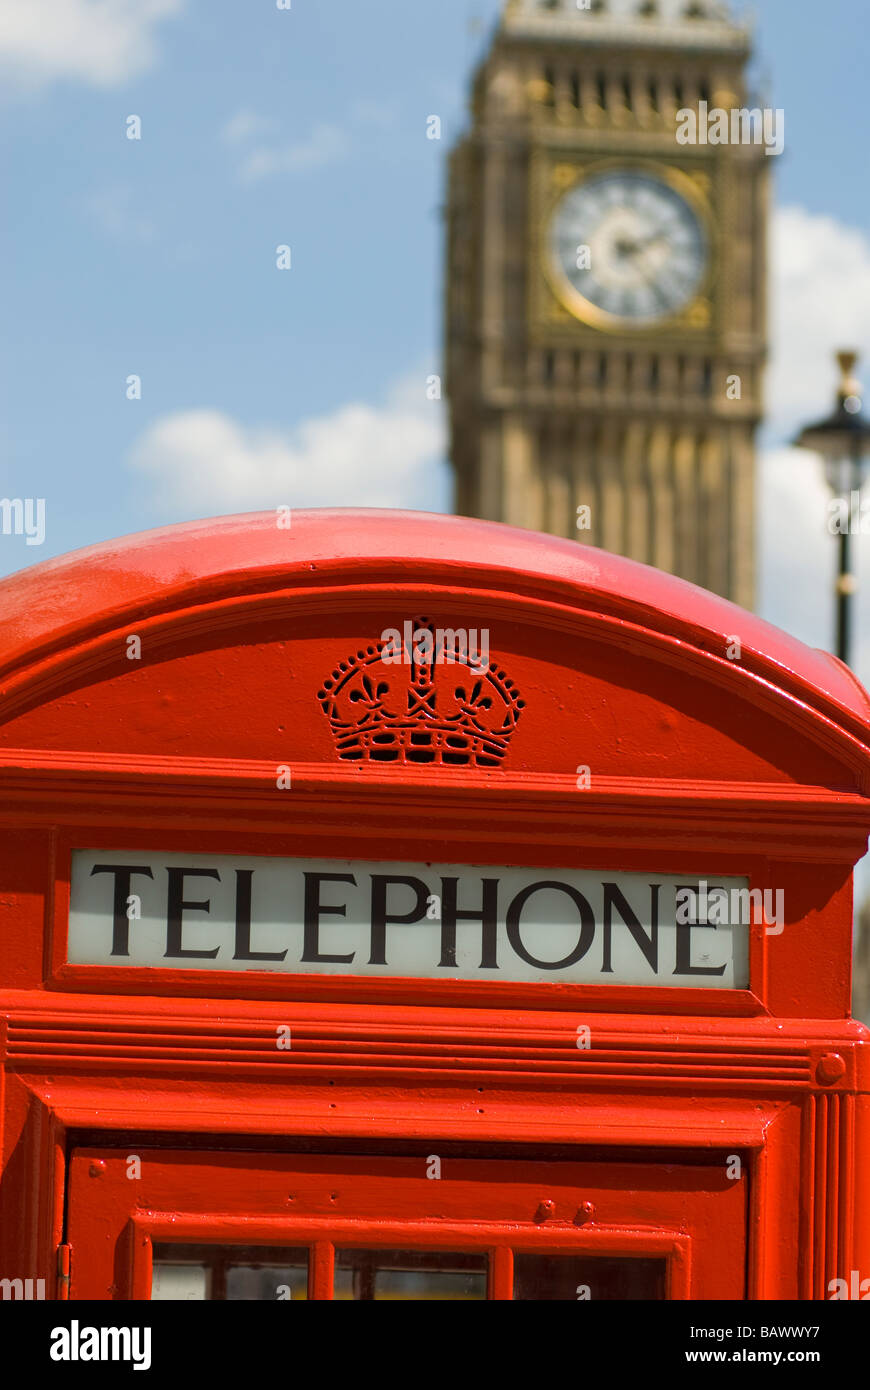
column 843, row 438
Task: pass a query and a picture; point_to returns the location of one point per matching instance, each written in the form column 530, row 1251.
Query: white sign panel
column 424, row 921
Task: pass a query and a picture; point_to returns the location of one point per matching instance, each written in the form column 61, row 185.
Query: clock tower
column 606, row 284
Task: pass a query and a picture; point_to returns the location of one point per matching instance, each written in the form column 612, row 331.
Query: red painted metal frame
column 482, row 1205
column 703, row 765
column 213, row 1228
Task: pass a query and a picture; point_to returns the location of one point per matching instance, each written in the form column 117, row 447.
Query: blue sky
column 307, row 127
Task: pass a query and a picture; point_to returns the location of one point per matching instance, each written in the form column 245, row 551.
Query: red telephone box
column 398, row 906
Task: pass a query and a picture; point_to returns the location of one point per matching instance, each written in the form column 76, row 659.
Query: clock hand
column 633, row 248
column 653, row 240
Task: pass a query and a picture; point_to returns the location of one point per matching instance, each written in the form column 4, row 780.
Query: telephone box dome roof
column 65, row 600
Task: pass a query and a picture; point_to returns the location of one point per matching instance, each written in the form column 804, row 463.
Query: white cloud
column 360, row 455
column 117, row 212
column 244, row 125
column 797, row 553
column 102, row 42
column 325, row 144
column 374, row 113
column 820, row 302
column 263, row 152
column 798, row 556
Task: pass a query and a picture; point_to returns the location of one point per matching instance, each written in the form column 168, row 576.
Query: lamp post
column 843, row 440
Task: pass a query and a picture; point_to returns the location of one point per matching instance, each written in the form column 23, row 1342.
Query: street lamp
column 843, row 440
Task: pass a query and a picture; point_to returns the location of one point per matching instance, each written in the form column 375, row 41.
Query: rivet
column 545, row 1210
column 585, row 1212
column 97, row 1168
column 830, row 1069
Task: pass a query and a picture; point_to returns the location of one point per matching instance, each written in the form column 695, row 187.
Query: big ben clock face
column 627, row 249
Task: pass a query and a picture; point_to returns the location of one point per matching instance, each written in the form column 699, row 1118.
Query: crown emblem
column 422, row 698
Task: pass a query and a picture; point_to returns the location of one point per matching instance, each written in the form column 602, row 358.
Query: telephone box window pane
column 420, row 1275
column 592, row 1277
column 256, row 1282
column 230, row 1273
column 188, row 1283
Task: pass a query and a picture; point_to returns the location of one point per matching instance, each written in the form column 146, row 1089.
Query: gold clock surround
column 696, row 313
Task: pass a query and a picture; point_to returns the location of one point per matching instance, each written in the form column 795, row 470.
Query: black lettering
column 176, row 906
column 314, row 910
column 380, row 916
column 615, row 898
column 587, row 925
column 488, row 916
column 121, row 922
column 243, row 921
